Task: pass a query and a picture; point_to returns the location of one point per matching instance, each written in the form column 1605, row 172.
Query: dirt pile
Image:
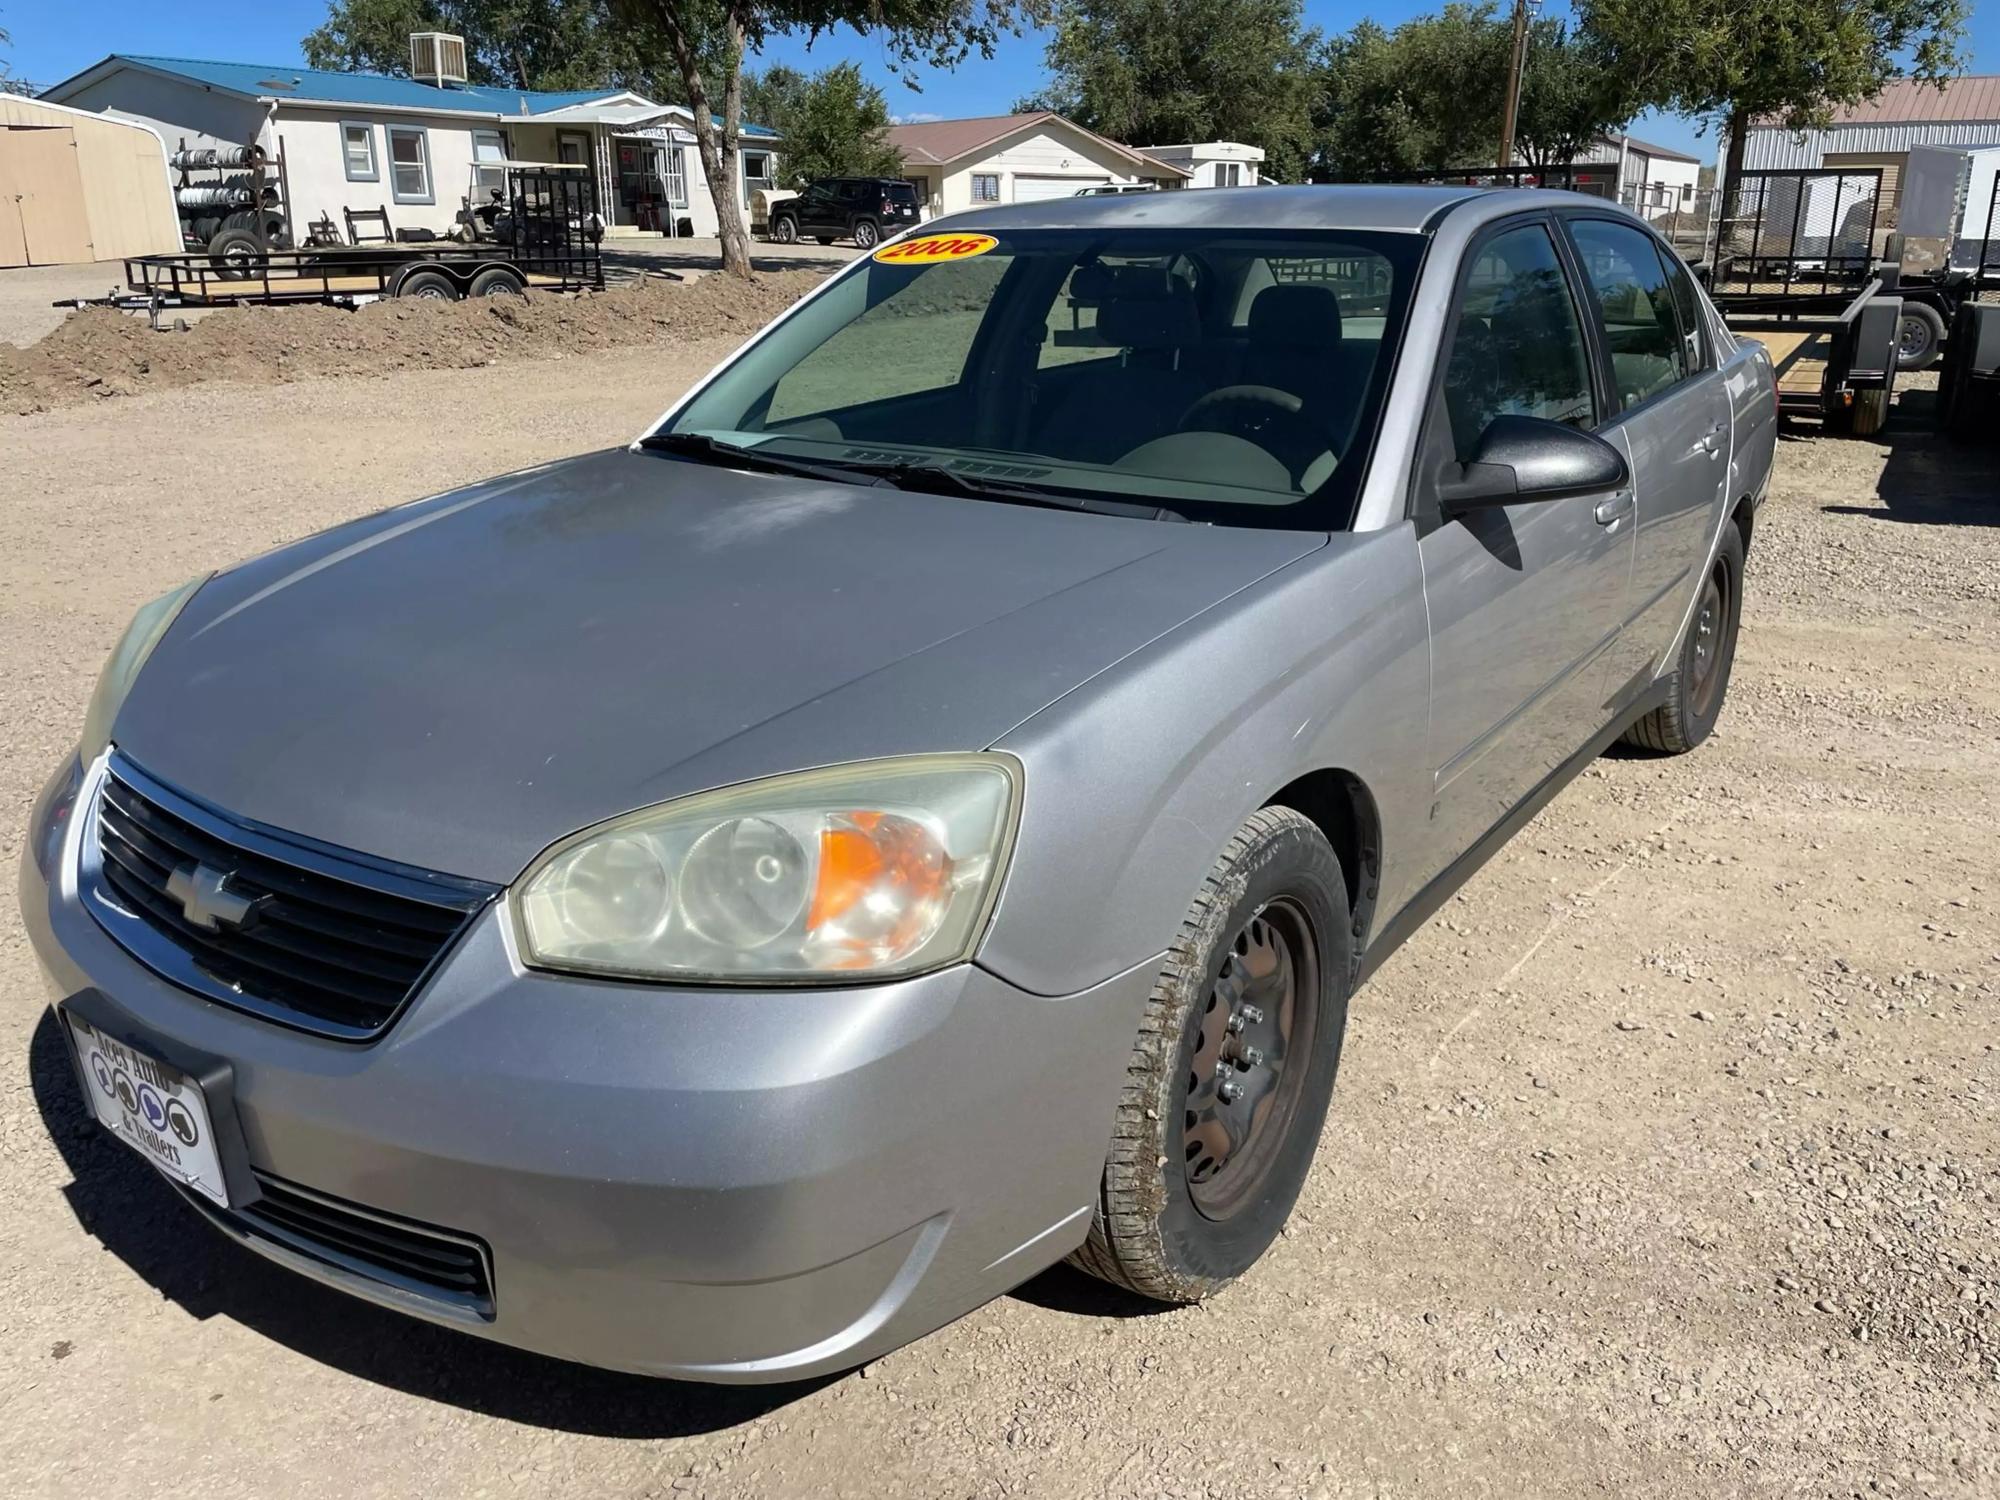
column 98, row 352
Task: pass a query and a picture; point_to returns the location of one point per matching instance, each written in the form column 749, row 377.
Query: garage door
column 1036, row 189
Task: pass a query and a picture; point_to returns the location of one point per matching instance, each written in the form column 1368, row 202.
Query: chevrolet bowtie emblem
column 206, row 900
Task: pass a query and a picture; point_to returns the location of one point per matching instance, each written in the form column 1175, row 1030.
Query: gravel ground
column 1663, row 1161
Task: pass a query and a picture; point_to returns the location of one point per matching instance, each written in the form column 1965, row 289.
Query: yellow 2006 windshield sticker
column 929, row 249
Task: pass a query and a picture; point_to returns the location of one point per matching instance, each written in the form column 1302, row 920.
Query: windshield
column 1230, row 376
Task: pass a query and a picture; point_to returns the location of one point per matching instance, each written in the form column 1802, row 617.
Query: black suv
column 863, row 209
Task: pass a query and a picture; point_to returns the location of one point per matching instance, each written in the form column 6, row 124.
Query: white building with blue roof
column 418, row 148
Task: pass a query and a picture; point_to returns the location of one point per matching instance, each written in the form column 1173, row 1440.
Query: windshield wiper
column 936, row 479
column 698, row 445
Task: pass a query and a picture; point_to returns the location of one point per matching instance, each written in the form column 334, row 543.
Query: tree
column 1421, row 98
column 1795, row 61
column 527, row 44
column 1149, row 72
column 832, row 123
column 706, row 41
column 1572, row 93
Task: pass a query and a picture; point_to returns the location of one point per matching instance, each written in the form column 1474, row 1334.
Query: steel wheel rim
column 1710, row 619
column 1253, row 1052
column 1914, row 337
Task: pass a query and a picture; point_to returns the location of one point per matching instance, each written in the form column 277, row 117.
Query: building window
column 489, row 163
column 676, row 176
column 410, row 164
column 985, row 187
column 757, row 168
column 1228, row 174
column 357, row 150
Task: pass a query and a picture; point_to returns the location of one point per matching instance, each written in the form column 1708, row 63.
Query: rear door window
column 1636, row 304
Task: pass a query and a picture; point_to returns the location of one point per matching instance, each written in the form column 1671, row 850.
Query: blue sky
column 54, row 40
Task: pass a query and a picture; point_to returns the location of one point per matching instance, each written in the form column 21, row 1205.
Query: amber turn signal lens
column 883, row 883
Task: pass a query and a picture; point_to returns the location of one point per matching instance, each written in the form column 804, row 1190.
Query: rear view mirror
column 1528, row 458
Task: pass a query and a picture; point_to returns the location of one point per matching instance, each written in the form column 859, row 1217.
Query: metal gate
column 1813, row 231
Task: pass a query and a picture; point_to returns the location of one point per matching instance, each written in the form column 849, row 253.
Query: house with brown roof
column 1020, row 158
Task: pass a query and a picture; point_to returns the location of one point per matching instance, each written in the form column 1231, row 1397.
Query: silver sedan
column 727, row 906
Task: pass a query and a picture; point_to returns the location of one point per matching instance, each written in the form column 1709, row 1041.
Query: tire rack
column 267, row 173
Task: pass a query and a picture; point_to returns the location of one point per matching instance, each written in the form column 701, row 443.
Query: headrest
column 1143, row 323
column 1295, row 315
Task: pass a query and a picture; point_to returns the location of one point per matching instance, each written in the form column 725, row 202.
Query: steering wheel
column 1274, row 420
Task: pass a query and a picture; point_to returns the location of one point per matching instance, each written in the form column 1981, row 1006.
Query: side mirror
column 1528, row 458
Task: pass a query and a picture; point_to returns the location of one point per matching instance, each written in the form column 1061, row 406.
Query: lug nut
column 1251, row 1015
column 1251, row 1057
column 1229, row 1091
column 1236, row 1023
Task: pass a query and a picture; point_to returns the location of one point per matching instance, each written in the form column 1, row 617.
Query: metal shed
column 75, row 187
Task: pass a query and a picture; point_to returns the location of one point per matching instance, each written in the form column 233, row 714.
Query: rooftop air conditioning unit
column 437, row 57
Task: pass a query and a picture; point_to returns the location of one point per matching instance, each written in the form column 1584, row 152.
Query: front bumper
column 715, row 1185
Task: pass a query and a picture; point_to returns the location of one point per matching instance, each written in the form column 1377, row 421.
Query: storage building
column 78, row 187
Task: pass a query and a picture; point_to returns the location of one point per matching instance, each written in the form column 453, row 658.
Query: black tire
column 784, row 229
column 427, row 283
column 1162, row 1228
column 497, row 281
column 1700, row 679
column 1919, row 337
column 866, row 234
column 234, row 251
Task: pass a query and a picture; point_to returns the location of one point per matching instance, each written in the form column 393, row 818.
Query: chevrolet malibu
column 727, row 906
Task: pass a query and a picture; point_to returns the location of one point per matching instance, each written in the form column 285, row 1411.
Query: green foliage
column 833, row 122
column 1572, row 91
column 1429, row 95
column 1793, row 60
column 1154, row 72
column 531, row 44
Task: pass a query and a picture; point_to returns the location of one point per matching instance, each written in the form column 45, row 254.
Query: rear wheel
column 497, row 281
column 866, row 234
column 1228, row 1082
column 432, row 285
column 1700, row 679
column 1919, row 337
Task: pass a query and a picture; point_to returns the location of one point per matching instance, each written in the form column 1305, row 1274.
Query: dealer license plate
column 156, row 1110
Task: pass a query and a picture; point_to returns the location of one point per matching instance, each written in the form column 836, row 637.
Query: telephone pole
column 1516, row 63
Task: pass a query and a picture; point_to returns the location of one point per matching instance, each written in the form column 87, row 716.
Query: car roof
column 1361, row 206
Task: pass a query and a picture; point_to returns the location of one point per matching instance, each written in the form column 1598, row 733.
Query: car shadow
column 1064, row 1289
column 135, row 1214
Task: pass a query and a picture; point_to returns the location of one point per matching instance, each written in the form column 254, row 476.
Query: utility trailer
column 548, row 247
column 1834, row 352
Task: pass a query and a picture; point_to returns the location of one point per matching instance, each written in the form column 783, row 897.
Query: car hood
column 459, row 682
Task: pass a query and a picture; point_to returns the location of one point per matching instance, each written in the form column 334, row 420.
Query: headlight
column 884, row 868
column 122, row 669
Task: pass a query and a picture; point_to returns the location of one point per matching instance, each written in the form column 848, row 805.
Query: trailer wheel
column 233, row 252
column 1919, row 337
column 435, row 285
column 497, row 281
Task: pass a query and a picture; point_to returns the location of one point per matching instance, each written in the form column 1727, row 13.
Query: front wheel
column 1700, row 678
column 1228, row 1082
column 785, row 230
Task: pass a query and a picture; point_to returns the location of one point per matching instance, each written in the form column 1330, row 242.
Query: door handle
column 1615, row 508
column 1711, row 441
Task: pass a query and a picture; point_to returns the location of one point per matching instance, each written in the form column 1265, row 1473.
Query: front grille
column 330, row 944
column 434, row 1263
